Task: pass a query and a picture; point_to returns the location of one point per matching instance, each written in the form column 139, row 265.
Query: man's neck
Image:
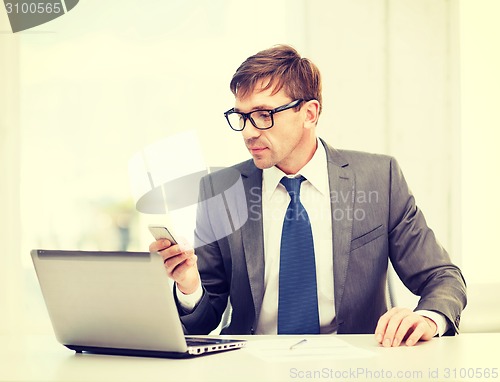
column 307, row 152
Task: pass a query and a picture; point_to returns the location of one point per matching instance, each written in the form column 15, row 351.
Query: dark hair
column 284, row 68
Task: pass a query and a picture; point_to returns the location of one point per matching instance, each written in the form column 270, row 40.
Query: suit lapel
column 252, row 233
column 342, row 192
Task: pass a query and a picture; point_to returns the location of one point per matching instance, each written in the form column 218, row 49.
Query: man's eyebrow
column 258, row 107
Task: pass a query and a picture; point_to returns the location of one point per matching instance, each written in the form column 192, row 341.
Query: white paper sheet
column 289, row 349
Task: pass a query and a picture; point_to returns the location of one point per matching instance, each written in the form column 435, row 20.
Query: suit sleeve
column 420, row 261
column 207, row 314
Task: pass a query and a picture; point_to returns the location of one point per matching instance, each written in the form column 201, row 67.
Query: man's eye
column 263, row 115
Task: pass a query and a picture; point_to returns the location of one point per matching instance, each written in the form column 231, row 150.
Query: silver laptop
column 116, row 303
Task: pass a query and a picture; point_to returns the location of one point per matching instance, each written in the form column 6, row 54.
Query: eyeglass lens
column 262, row 119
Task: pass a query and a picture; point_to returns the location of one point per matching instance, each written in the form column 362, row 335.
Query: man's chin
column 262, row 164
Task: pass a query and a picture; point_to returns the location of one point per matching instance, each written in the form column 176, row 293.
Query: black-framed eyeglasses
column 261, row 119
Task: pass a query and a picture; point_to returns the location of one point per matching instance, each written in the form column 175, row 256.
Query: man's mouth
column 257, row 150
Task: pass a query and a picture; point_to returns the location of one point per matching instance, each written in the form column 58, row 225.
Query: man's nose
column 250, row 131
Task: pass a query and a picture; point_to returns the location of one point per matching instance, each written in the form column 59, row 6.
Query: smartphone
column 160, row 232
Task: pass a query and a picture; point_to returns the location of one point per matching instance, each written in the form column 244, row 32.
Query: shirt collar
column 315, row 171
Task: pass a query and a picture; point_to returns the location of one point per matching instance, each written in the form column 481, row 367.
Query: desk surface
column 472, row 357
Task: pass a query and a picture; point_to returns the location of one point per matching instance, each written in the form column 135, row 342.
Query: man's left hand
column 401, row 324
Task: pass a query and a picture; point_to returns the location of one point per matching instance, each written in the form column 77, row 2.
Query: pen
column 298, row 343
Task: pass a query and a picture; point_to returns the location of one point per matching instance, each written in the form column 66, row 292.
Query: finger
column 159, row 245
column 382, row 324
column 417, row 334
column 173, row 262
column 183, row 267
column 192, row 260
column 428, row 328
column 170, row 251
column 393, row 326
column 187, row 249
column 405, row 329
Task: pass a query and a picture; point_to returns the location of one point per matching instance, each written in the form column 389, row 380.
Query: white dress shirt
column 315, row 197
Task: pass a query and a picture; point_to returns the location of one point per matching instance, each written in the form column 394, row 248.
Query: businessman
column 310, row 232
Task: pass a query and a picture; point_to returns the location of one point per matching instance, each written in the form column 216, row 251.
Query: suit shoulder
column 239, row 168
column 224, row 178
column 354, row 156
column 354, row 159
column 368, row 162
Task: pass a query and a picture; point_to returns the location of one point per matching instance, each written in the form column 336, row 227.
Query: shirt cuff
column 438, row 318
column 189, row 301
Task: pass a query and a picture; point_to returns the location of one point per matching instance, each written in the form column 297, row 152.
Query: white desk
column 41, row 358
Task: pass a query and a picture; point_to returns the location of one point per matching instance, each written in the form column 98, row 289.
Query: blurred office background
column 79, row 96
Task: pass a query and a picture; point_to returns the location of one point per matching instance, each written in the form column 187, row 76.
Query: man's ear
column 312, row 113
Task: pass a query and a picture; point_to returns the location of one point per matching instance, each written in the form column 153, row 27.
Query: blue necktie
column 298, row 298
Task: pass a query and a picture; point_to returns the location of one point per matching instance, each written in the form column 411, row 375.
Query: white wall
column 480, row 115
column 11, row 297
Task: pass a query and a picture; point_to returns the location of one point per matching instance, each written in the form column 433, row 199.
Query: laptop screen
column 110, row 299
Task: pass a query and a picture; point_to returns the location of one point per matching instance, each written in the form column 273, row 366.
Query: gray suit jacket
column 374, row 219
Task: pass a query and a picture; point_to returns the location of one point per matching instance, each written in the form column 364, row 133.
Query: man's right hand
column 180, row 263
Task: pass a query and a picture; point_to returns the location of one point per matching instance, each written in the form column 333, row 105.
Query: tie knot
column 292, row 185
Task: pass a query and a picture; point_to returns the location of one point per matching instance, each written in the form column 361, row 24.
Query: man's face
column 282, row 145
